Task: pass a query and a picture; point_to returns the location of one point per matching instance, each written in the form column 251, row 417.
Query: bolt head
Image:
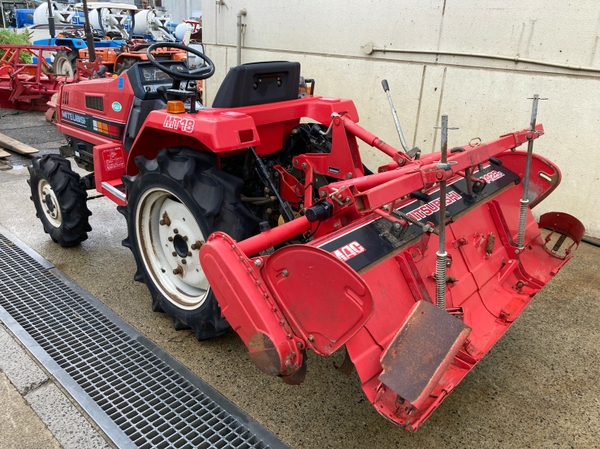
column 176, row 231
column 174, row 254
column 183, row 261
column 257, row 263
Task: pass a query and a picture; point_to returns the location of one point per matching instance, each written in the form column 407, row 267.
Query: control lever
column 415, row 153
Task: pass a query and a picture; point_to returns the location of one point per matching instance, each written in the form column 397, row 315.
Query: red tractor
column 258, row 214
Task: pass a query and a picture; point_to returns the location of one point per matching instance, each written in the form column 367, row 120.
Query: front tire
column 59, row 199
column 174, row 203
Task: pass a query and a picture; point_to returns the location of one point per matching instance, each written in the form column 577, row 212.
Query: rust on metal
column 421, row 351
column 197, row 245
column 165, row 219
column 489, row 247
column 297, row 377
column 346, row 367
column 264, row 355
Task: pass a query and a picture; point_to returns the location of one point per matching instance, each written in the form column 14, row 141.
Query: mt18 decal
column 183, row 124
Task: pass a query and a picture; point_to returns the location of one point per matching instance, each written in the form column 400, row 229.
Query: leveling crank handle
column 415, row 151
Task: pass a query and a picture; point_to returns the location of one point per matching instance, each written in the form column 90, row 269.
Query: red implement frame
column 27, row 86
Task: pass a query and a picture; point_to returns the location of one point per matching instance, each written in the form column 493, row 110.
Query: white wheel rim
column 49, row 203
column 64, row 67
column 164, row 248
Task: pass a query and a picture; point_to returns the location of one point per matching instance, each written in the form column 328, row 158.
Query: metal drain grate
column 153, row 404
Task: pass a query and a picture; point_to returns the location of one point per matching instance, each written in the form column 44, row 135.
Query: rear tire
column 174, row 203
column 126, row 65
column 64, row 64
column 59, row 200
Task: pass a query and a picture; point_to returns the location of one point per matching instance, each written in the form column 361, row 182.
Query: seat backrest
column 259, row 83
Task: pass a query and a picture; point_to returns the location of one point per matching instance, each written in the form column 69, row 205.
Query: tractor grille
column 149, row 401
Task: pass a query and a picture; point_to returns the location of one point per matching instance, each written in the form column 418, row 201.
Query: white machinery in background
column 152, row 24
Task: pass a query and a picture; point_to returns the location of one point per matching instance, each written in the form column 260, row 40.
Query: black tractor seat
column 259, row 83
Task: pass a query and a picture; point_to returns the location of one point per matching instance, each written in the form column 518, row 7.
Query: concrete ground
column 537, row 388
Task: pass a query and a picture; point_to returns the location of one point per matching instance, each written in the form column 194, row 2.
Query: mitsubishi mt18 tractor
column 257, row 214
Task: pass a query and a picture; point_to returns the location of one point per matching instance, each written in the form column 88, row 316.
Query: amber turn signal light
column 175, row 107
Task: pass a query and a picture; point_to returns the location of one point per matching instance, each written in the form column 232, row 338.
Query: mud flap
column 421, row 352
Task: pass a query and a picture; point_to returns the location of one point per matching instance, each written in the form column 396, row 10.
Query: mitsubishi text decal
column 433, row 206
column 364, row 245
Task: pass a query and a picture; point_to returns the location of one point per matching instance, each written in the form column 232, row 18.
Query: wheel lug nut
column 174, row 253
column 177, row 270
column 185, row 238
column 170, row 239
column 176, row 231
column 189, row 254
column 183, row 261
column 165, row 220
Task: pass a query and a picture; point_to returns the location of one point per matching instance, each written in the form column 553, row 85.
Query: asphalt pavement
column 538, row 387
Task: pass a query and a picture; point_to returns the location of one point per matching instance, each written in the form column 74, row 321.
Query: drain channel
column 138, row 398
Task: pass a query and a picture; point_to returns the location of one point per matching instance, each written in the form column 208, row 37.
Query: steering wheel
column 200, row 73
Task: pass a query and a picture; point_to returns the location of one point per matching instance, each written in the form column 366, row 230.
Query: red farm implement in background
column 258, row 214
column 27, row 85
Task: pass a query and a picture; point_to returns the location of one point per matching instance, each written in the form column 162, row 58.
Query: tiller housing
column 259, row 214
column 368, row 278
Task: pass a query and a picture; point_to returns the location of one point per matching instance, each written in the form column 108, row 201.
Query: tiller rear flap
column 416, row 300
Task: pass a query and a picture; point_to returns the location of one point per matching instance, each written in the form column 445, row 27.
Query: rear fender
column 207, row 130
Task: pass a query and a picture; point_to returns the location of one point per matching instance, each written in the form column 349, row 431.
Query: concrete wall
column 483, row 97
